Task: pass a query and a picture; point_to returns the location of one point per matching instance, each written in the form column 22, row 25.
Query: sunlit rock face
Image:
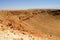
column 30, row 25
column 11, row 35
column 7, row 34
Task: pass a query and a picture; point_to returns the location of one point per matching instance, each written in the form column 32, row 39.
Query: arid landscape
column 35, row 24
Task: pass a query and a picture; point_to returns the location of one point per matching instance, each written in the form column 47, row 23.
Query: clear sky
column 28, row 4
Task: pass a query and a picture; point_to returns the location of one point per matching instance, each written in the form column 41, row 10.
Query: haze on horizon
column 29, row 4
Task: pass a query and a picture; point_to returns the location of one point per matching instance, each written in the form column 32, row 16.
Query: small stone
column 9, row 24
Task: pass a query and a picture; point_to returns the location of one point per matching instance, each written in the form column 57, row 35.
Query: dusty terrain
column 30, row 24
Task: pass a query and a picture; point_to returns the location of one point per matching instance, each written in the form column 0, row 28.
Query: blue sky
column 28, row 4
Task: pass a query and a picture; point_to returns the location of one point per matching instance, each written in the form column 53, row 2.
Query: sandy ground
column 29, row 25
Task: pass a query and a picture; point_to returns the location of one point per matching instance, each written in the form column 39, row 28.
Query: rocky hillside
column 30, row 24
